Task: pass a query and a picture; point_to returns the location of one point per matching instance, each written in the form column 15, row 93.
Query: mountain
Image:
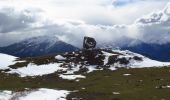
column 37, row 46
column 42, row 45
column 153, row 51
column 160, row 52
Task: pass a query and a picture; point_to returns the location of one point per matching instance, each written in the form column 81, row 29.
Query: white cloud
column 155, row 27
column 70, row 20
column 90, row 11
column 13, row 21
column 151, row 29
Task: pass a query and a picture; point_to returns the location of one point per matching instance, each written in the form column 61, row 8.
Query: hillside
column 154, row 51
column 37, row 46
column 108, row 74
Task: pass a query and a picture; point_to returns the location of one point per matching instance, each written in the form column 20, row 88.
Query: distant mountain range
column 37, row 46
column 43, row 45
column 159, row 52
column 153, row 51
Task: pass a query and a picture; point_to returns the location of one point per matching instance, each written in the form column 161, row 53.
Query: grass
column 99, row 85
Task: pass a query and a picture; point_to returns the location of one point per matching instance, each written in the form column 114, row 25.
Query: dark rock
column 137, row 58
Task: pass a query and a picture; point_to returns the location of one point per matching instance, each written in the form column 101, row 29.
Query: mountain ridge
column 160, row 52
column 37, row 46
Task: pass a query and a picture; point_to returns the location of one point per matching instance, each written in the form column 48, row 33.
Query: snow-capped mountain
column 37, row 46
column 160, row 52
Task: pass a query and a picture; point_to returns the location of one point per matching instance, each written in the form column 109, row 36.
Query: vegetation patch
column 141, row 84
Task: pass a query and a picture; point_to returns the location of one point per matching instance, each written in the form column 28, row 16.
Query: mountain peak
column 41, row 39
column 37, row 46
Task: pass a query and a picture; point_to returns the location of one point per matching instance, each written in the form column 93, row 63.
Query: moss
column 19, row 65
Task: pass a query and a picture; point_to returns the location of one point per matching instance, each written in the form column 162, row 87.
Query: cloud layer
column 109, row 21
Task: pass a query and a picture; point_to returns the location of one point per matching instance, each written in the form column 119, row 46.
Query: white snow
column 83, row 88
column 71, row 77
column 126, row 74
column 5, row 95
column 34, row 70
column 116, row 93
column 6, row 60
column 39, row 94
column 39, row 70
column 46, row 94
column 167, row 86
column 35, row 41
column 21, row 61
column 59, row 57
column 112, row 68
column 91, row 68
column 148, row 63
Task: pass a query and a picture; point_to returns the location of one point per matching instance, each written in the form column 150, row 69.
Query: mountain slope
column 160, row 52
column 153, row 51
column 37, row 46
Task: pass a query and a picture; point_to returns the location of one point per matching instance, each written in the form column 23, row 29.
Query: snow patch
column 46, row 94
column 148, row 63
column 37, row 70
column 6, row 60
column 59, row 57
column 71, row 77
column 126, row 74
column 116, row 93
column 91, row 68
column 40, row 94
column 5, row 95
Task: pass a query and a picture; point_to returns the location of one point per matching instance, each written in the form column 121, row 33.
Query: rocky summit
column 98, row 57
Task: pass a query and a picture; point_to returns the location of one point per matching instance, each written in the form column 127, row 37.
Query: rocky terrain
column 83, row 74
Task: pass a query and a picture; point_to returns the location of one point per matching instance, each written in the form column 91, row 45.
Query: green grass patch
column 101, row 85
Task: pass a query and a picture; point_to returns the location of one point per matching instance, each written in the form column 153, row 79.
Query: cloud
column 72, row 20
column 13, row 21
column 154, row 28
column 126, row 2
column 94, row 12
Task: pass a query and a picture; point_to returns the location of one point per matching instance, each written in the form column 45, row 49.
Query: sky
column 70, row 20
